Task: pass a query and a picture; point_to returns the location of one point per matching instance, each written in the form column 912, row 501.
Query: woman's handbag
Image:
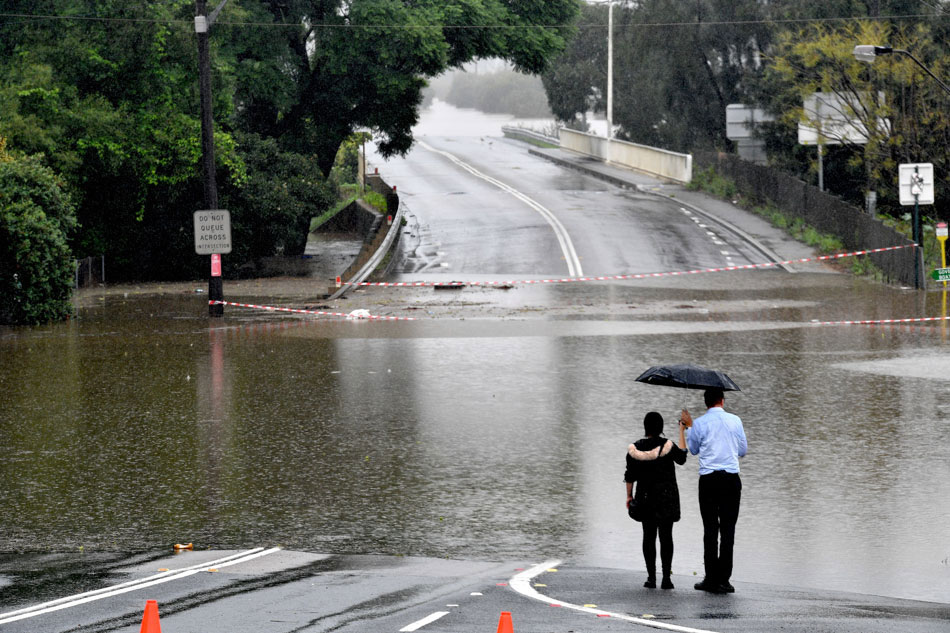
column 635, row 509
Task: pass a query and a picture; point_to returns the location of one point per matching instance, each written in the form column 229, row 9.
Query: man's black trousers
column 719, row 494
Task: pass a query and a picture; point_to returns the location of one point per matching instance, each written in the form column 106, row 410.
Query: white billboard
column 830, row 118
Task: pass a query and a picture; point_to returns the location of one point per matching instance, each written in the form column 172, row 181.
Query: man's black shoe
column 710, row 586
column 727, row 588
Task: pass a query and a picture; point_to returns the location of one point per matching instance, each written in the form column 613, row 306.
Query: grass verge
column 349, row 193
column 712, row 182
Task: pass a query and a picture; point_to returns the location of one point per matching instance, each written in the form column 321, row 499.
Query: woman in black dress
column 650, row 464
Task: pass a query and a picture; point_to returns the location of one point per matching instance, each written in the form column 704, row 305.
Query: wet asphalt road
column 461, row 224
column 284, row 592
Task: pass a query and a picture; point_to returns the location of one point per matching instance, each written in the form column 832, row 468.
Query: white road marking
column 133, row 585
column 429, row 619
column 567, row 246
column 522, row 584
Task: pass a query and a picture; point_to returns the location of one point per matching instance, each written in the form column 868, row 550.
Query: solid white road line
column 522, row 584
column 567, row 246
column 133, row 585
column 429, row 619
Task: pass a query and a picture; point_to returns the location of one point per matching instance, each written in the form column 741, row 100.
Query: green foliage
column 111, row 103
column 346, row 169
column 36, row 265
column 272, row 208
column 905, row 113
column 376, row 200
column 711, row 181
column 673, row 73
column 504, row 92
column 677, row 65
column 330, row 213
column 371, row 74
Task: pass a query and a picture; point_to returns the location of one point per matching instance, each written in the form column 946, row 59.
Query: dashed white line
column 429, row 619
column 522, row 584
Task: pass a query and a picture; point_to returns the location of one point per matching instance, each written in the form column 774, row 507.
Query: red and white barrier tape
column 883, row 321
column 414, row 284
column 366, row 315
column 352, row 315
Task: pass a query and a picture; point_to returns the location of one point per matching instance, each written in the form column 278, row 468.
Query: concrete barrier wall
column 650, row 160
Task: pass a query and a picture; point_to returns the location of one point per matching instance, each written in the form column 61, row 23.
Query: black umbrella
column 687, row 376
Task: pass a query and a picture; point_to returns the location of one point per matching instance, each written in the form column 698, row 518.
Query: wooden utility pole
column 202, row 29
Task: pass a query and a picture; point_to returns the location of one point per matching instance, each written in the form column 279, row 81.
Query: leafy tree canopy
column 677, row 65
column 36, row 266
column 363, row 63
column 106, row 92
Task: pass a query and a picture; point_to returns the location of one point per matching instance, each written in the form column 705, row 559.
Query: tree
column 363, row 63
column 576, row 82
column 677, row 65
column 107, row 94
column 36, row 265
column 903, row 112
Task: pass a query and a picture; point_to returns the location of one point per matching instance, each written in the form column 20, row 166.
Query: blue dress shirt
column 719, row 440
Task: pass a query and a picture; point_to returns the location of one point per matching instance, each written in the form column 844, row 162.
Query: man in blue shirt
column 719, row 440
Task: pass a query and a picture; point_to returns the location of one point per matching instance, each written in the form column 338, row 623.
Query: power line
column 35, row 17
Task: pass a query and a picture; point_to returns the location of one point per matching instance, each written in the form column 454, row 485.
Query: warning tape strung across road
column 351, row 316
column 362, row 314
column 416, row 284
column 883, row 321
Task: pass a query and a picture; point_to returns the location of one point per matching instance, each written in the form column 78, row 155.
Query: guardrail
column 650, row 160
column 529, row 135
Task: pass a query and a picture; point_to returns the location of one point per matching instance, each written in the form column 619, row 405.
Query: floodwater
column 491, row 428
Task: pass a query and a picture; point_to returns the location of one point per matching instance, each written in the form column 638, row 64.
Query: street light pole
column 203, row 24
column 610, row 72
column 869, row 52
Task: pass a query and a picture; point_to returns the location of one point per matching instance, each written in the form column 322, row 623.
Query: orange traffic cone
column 504, row 624
column 150, row 618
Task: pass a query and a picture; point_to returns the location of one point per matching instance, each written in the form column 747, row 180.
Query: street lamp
column 869, row 52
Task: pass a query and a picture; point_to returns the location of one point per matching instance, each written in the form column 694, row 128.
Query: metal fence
column 856, row 229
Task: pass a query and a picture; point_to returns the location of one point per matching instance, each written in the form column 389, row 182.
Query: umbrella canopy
column 688, row 377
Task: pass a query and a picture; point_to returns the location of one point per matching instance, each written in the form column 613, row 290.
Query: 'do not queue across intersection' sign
column 213, row 232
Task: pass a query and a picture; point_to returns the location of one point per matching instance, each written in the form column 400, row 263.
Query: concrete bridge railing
column 651, row 160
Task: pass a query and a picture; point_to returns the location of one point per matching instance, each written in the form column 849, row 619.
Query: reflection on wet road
column 493, row 428
column 488, row 438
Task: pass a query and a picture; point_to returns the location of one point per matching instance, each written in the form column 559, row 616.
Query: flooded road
column 491, row 428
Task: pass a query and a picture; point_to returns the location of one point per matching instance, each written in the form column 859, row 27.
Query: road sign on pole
column 916, row 182
column 212, row 232
column 941, row 274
